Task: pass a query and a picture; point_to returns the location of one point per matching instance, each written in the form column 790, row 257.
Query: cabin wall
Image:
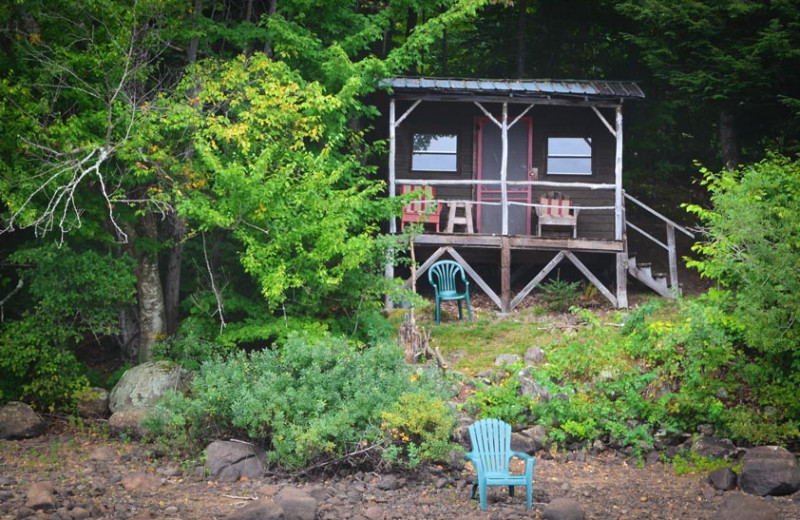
column 548, row 121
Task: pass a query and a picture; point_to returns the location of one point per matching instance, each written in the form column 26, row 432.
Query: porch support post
column 619, row 218
column 504, row 169
column 505, row 275
column 673, row 259
column 389, row 269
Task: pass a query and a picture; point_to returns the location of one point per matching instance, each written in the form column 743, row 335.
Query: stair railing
column 669, row 246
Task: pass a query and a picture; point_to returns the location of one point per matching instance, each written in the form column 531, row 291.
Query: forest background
column 196, row 179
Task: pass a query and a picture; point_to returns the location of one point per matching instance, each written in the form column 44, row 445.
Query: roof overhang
column 598, row 93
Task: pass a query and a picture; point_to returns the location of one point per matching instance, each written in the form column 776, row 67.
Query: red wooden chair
column 555, row 209
column 426, row 210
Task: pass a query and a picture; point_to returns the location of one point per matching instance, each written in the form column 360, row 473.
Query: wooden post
column 504, row 170
column 389, row 269
column 673, row 258
column 619, row 218
column 505, row 275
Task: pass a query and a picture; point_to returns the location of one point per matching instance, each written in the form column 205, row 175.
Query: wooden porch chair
column 426, row 210
column 491, row 455
column 555, row 209
column 444, row 277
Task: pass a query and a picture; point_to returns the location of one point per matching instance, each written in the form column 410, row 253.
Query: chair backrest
column 444, row 272
column 426, row 201
column 554, row 204
column 491, row 443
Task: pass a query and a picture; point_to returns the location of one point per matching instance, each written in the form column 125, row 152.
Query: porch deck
column 520, row 242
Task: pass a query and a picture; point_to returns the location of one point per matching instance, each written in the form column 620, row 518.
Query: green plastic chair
column 491, row 455
column 443, row 276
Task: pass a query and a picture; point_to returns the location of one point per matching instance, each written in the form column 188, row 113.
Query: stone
column 563, row 509
column 506, row 360
column 93, row 403
column 388, row 483
column 529, row 387
column 229, row 461
column 769, row 470
column 296, row 504
column 128, row 421
column 141, row 482
column 533, row 356
column 41, row 497
column 79, row 513
column 144, row 384
column 713, row 448
column 103, row 454
column 265, row 509
column 19, row 421
column 529, row 441
column 744, row 507
column 723, row 479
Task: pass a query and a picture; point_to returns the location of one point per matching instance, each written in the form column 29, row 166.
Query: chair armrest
column 476, row 461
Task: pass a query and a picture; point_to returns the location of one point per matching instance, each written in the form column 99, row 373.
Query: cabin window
column 569, row 156
column 435, row 152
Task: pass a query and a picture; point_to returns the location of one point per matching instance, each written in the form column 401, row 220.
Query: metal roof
column 519, row 87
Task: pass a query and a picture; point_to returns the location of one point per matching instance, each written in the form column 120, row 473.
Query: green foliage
column 559, row 294
column 500, row 401
column 419, row 425
column 305, row 401
column 694, row 464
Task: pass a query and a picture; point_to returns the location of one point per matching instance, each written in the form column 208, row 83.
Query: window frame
column 590, row 156
column 445, row 154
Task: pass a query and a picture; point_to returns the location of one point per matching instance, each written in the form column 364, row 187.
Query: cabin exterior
column 518, row 165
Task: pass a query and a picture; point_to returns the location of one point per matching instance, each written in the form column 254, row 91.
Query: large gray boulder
column 229, row 461
column 529, row 440
column 743, row 507
column 93, row 403
column 144, row 384
column 297, row 504
column 769, row 470
column 563, row 509
column 19, row 421
column 713, row 448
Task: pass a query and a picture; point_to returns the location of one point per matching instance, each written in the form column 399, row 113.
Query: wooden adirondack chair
column 555, row 209
column 491, row 455
column 426, row 210
column 444, row 276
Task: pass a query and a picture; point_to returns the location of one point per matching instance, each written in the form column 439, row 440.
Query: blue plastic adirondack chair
column 491, row 455
column 443, row 276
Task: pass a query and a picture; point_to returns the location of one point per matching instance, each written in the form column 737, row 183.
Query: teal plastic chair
column 444, row 276
column 491, row 455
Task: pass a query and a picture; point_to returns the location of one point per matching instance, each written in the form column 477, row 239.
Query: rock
column 713, row 448
column 19, row 421
column 229, row 461
column 723, row 479
column 743, row 507
column 41, row 497
column 563, row 509
column 141, row 482
column 461, row 430
column 103, row 454
column 79, row 513
column 264, row 509
column 506, row 360
column 93, row 403
column 144, row 384
column 529, row 441
column 769, row 470
column 528, row 386
column 388, row 483
column 533, row 356
column 128, row 421
column 296, row 504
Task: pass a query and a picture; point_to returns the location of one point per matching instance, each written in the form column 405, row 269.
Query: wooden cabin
column 515, row 166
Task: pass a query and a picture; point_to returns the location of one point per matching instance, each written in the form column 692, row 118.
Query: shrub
column 305, row 401
column 501, row 401
column 559, row 294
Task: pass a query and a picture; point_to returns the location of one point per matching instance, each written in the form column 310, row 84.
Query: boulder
column 93, row 403
column 563, row 509
column 723, row 479
column 530, row 440
column 769, row 470
column 229, row 461
column 296, row 504
column 127, row 421
column 506, row 360
column 744, row 507
column 41, row 497
column 528, row 386
column 713, row 448
column 144, row 384
column 19, row 421
column 264, row 509
column 141, row 482
column 533, row 356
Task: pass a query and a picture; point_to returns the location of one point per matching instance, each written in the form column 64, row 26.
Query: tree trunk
column 729, row 140
column 194, row 43
column 152, row 313
column 522, row 24
column 172, row 278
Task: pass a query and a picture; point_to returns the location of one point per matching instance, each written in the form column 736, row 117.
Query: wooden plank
column 673, row 258
column 482, row 284
column 505, row 276
column 605, row 121
column 537, row 279
column 618, row 215
column 504, row 170
column 591, row 277
column 476, row 182
column 659, row 215
column 407, row 112
column 648, row 235
column 517, row 99
column 622, row 280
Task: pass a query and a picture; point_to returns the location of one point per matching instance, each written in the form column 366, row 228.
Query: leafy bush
column 501, row 401
column 305, row 401
column 559, row 294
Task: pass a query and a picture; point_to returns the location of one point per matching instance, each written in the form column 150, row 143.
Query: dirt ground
column 101, row 477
